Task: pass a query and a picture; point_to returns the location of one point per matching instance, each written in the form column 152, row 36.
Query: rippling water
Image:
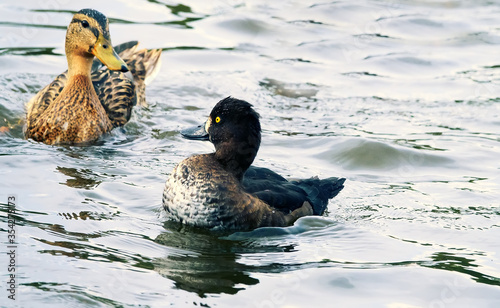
column 401, row 98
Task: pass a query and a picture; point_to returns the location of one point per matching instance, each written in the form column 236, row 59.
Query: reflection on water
column 203, row 264
column 83, row 178
column 399, row 98
column 452, row 262
column 27, row 51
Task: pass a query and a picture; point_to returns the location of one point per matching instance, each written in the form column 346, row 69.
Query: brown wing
column 144, row 65
column 39, row 103
column 116, row 93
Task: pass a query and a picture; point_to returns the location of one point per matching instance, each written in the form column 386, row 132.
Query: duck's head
column 88, row 36
column 234, row 128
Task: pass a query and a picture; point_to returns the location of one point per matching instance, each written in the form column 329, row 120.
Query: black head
column 234, row 129
column 232, row 120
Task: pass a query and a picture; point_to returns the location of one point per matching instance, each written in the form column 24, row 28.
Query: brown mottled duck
column 90, row 99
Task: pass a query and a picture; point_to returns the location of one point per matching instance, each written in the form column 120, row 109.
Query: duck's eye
column 217, row 120
column 85, row 24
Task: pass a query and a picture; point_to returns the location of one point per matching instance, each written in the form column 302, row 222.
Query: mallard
column 90, row 99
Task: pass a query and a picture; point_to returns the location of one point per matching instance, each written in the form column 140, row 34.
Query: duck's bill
column 195, row 133
column 106, row 54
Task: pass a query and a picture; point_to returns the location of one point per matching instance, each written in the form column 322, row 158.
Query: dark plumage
column 221, row 191
column 99, row 17
column 285, row 195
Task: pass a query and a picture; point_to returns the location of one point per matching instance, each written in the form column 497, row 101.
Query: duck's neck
column 79, row 64
column 79, row 85
column 236, row 157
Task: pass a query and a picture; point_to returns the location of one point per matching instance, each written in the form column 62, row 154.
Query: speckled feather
column 143, row 65
column 200, row 193
column 221, row 191
column 75, row 116
column 42, row 100
column 117, row 93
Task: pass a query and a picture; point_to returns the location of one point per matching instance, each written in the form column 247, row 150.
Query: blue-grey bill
column 195, row 133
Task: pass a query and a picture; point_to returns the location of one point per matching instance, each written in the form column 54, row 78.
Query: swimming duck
column 90, row 99
column 221, row 191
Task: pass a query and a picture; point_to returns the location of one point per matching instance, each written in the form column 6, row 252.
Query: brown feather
column 117, row 95
column 74, row 117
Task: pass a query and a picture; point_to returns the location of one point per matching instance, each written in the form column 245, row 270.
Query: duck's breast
column 198, row 193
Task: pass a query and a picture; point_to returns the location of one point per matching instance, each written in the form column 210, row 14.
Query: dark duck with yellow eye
column 222, row 192
column 90, row 99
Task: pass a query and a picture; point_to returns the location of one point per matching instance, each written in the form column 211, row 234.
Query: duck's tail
column 320, row 191
column 144, row 65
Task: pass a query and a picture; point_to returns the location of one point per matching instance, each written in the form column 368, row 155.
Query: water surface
column 401, row 98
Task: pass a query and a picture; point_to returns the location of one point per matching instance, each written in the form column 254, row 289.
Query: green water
column 401, row 98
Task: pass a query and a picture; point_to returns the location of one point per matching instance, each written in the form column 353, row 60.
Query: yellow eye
column 217, row 120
